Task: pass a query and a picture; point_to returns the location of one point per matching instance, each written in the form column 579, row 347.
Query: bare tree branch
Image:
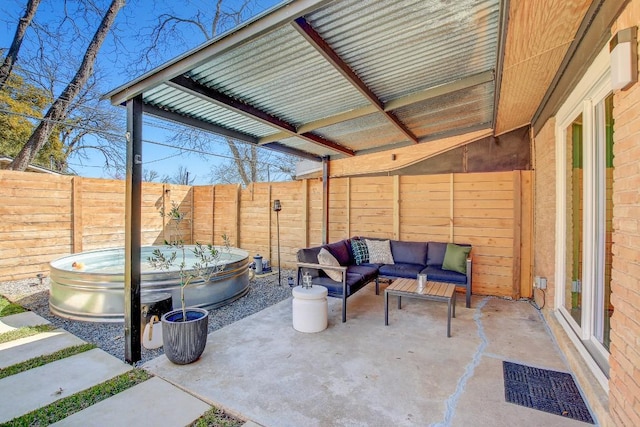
column 177, row 31
column 21, row 30
column 216, row 19
column 249, row 164
column 58, row 110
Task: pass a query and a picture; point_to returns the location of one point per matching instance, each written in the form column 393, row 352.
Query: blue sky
column 114, row 62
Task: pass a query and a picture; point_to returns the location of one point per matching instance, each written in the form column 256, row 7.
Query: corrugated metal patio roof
column 339, row 78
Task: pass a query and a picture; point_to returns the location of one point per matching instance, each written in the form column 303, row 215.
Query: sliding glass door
column 584, row 151
column 574, row 220
column 603, row 308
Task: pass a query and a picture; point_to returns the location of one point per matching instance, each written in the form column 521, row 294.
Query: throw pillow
column 325, row 258
column 379, row 251
column 455, row 258
column 360, row 251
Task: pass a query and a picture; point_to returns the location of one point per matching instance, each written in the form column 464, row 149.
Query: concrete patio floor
column 362, row 373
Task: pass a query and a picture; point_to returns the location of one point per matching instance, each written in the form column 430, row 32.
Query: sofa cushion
column 347, row 243
column 409, row 252
column 354, row 282
column 325, row 258
column 435, row 253
column 309, row 255
column 406, row 270
column 359, row 251
column 437, row 274
column 369, row 271
column 379, row 251
column 340, row 251
column 455, row 258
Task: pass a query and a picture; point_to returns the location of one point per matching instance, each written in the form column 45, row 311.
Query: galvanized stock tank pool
column 89, row 286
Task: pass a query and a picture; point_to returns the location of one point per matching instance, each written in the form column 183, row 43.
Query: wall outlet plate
column 540, row 282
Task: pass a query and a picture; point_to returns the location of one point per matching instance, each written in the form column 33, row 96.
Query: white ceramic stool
column 309, row 308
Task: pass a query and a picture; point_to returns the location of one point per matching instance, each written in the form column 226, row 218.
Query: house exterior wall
column 624, row 384
column 545, row 212
column 620, row 405
column 544, row 247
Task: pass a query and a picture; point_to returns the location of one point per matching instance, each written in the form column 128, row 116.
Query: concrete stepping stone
column 155, row 402
column 15, row 321
column 38, row 387
column 23, row 349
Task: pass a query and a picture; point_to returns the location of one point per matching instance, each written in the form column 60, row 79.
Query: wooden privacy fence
column 45, row 217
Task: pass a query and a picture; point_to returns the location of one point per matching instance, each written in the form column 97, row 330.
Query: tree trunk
column 58, row 110
column 21, row 30
column 238, row 161
column 254, row 163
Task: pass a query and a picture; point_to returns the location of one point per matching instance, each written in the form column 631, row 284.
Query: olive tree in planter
column 184, row 331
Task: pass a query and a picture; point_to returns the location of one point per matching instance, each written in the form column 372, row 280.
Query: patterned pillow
column 325, row 258
column 360, row 251
column 379, row 251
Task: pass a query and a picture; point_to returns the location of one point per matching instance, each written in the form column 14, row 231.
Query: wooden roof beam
column 312, row 36
column 188, row 85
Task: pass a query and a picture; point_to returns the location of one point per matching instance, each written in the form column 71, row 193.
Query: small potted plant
column 184, row 330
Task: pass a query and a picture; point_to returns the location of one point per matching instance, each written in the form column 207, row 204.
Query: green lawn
column 8, row 308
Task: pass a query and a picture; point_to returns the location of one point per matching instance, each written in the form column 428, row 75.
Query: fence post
column 270, row 221
column 451, row 196
column 325, row 200
column 213, row 214
column 525, row 256
column 237, row 214
column 517, row 231
column 348, row 207
column 396, row 207
column 305, row 212
column 166, row 202
column 76, row 214
column 193, row 214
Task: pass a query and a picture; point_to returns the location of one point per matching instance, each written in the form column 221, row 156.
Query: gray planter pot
column 184, row 342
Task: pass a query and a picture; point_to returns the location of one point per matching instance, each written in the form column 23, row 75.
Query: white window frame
column 592, row 89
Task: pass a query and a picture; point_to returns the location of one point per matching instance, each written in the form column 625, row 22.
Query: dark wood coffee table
column 434, row 291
